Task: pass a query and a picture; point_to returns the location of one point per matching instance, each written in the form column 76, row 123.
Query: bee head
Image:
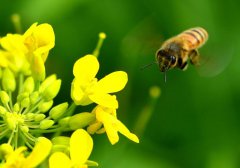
column 165, row 60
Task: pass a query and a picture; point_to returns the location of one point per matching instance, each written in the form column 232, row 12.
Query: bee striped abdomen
column 195, row 37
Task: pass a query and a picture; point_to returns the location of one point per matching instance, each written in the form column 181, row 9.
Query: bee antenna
column 165, row 76
column 148, row 65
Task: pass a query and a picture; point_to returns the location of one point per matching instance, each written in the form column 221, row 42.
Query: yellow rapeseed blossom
column 108, row 118
column 3, row 57
column 16, row 158
column 15, row 52
column 21, row 50
column 39, row 39
column 81, row 145
column 86, row 88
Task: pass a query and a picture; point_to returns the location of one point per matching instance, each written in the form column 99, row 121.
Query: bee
column 176, row 51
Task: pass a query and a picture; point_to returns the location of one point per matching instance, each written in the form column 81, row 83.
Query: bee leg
column 182, row 64
column 194, row 57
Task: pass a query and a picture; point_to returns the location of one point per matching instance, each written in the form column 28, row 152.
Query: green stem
column 21, row 78
column 37, row 84
column 62, row 129
column 20, row 111
column 29, row 136
column 102, row 36
column 11, row 137
column 34, row 107
column 16, row 138
column 8, row 107
column 71, row 109
column 3, row 124
column 69, row 112
column 26, row 140
column 4, row 133
column 10, row 102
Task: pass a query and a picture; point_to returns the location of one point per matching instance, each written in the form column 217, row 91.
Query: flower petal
column 86, row 68
column 107, row 121
column 81, row 145
column 112, row 125
column 39, row 153
column 30, row 30
column 3, row 57
column 104, row 99
column 14, row 43
column 124, row 130
column 111, row 133
column 94, row 127
column 77, row 94
column 45, row 37
column 58, row 160
column 113, row 82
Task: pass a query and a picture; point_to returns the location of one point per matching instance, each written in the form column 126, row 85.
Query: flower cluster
column 86, row 89
column 27, row 109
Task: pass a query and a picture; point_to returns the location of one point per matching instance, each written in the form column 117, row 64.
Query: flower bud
column 25, row 102
column 64, row 121
column 45, row 106
column 48, row 81
column 52, row 90
column 16, row 107
column 93, row 128
column 91, row 163
column 45, row 124
column 61, row 144
column 4, row 97
column 61, row 140
column 24, row 128
column 154, row 92
column 11, row 123
column 2, row 110
column 8, row 80
column 34, row 97
column 6, row 149
column 22, row 96
column 38, row 68
column 30, row 116
column 81, row 120
column 28, row 85
column 57, row 111
column 39, row 117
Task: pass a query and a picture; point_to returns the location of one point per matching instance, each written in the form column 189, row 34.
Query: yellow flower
column 15, row 51
column 21, row 50
column 81, row 145
column 3, row 58
column 112, row 125
column 17, row 159
column 86, row 89
column 39, row 40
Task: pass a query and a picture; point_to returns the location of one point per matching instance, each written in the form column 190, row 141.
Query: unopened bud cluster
column 26, row 107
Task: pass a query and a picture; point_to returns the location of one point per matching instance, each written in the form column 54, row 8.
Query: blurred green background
column 195, row 122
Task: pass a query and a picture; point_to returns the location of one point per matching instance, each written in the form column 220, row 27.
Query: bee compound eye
column 173, row 59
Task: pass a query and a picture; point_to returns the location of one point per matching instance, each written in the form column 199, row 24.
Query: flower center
column 14, row 119
column 89, row 88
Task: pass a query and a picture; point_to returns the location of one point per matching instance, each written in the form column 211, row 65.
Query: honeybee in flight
column 176, row 51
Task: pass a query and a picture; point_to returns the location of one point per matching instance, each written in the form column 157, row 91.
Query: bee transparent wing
column 215, row 64
column 139, row 44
